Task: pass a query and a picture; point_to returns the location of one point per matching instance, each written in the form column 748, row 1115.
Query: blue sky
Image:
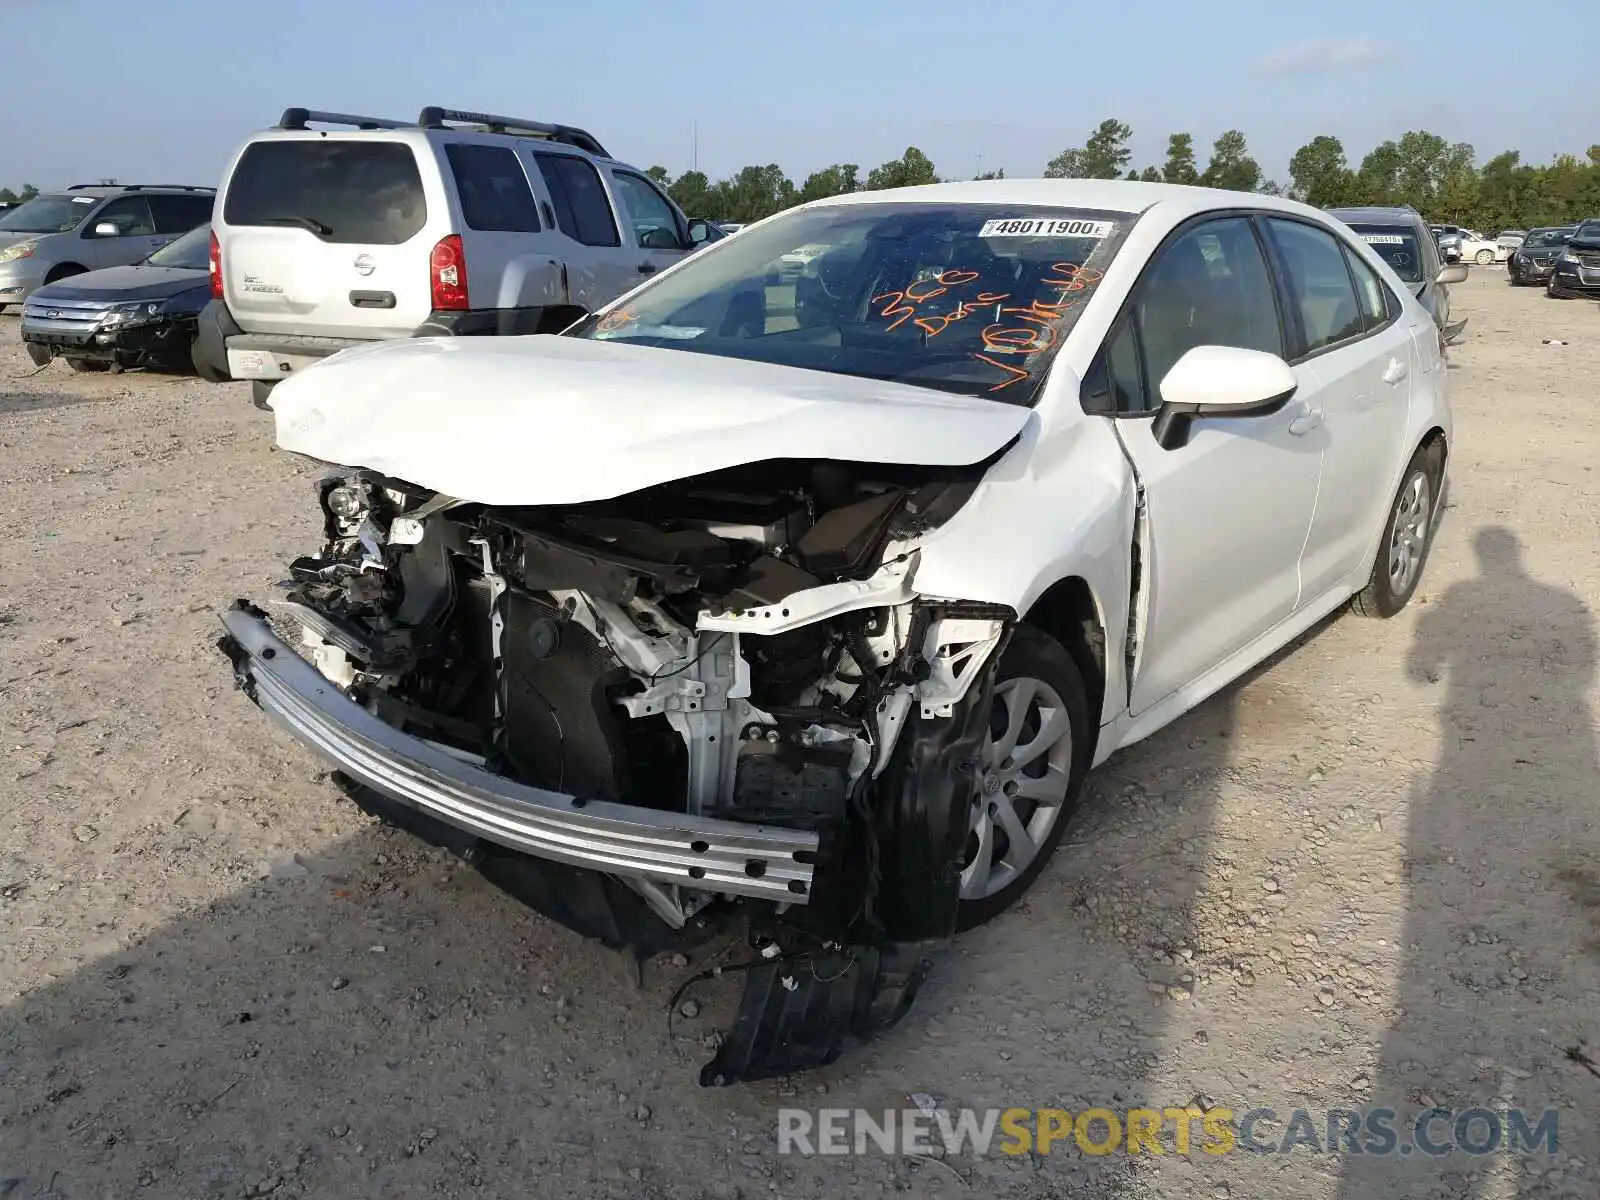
column 164, row 91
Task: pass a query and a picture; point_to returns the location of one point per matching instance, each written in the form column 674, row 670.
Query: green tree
column 1180, row 166
column 1320, row 174
column 692, row 192
column 1379, row 174
column 996, row 174
column 1150, row 175
column 830, row 181
column 1104, row 156
column 754, row 193
column 909, row 170
column 1231, row 166
column 661, row 175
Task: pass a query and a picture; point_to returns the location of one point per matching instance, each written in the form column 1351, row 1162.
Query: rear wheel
column 1483, row 257
column 1034, row 763
column 1407, row 537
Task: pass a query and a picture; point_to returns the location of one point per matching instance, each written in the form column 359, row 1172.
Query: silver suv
column 90, row 226
column 1403, row 240
column 456, row 223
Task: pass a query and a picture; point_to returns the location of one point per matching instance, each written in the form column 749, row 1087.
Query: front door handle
column 1395, row 371
column 1309, row 419
column 647, row 268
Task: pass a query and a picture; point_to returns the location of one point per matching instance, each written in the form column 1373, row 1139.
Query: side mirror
column 702, row 231
column 1455, row 273
column 1220, row 381
column 107, row 229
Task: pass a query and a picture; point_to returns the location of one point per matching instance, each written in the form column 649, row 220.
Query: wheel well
column 62, row 270
column 1434, row 443
column 1067, row 612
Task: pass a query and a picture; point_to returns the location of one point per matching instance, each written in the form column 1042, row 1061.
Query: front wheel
column 1407, row 537
column 1034, row 763
column 1483, row 257
column 1553, row 292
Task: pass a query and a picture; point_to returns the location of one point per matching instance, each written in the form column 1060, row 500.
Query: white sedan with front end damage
column 815, row 605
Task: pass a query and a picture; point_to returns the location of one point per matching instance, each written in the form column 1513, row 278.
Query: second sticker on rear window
column 1045, row 227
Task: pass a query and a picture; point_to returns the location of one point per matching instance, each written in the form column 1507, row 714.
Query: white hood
column 558, row 420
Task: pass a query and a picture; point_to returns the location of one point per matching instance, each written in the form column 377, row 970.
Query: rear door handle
column 1395, row 371
column 647, row 268
column 1309, row 419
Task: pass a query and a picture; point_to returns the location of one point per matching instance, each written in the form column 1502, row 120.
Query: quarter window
column 494, row 191
column 583, row 211
column 1319, row 286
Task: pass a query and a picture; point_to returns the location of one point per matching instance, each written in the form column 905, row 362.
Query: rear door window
column 583, row 210
column 1319, row 285
column 179, row 214
column 494, row 191
column 362, row 192
column 1377, row 303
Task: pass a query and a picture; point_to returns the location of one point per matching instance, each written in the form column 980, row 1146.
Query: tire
column 1407, row 538
column 1037, row 671
column 260, row 390
column 1552, row 291
column 1483, row 257
column 86, row 366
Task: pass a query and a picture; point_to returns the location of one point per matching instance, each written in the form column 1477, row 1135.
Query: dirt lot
column 1376, row 863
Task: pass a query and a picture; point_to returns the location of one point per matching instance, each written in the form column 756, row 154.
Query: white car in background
column 1475, row 248
column 830, row 605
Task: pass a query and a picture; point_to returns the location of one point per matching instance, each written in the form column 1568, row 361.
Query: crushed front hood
column 557, row 420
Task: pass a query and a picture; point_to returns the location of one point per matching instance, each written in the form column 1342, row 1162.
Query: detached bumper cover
column 719, row 856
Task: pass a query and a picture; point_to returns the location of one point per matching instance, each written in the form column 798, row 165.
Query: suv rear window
column 1397, row 245
column 357, row 192
column 493, row 188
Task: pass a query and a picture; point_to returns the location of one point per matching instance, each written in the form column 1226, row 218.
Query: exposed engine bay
column 746, row 645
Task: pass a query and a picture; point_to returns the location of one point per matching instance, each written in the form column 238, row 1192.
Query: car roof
column 100, row 191
column 1174, row 201
column 1377, row 215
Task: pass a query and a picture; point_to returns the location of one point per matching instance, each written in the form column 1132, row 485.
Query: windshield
column 1547, row 238
column 192, row 251
column 1397, row 246
column 48, row 214
column 968, row 298
column 1588, row 231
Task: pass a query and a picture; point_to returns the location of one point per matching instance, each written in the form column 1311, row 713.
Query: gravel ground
column 1369, row 874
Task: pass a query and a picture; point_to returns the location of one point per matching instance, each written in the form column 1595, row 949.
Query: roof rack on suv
column 434, row 117
column 297, row 118
column 142, row 187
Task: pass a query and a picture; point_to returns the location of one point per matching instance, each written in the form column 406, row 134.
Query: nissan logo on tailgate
column 364, row 264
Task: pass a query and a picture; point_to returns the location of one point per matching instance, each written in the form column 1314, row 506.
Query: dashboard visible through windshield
column 968, row 298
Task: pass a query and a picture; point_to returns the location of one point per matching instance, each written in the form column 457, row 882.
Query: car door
column 1226, row 514
column 600, row 265
column 659, row 230
column 134, row 240
column 1351, row 334
column 500, row 226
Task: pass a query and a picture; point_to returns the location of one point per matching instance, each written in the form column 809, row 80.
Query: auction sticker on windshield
column 1046, row 227
column 1384, row 239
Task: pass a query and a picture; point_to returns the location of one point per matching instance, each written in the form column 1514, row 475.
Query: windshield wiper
column 309, row 223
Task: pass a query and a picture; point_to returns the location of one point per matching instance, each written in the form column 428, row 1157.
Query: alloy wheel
column 1408, row 536
column 1021, row 790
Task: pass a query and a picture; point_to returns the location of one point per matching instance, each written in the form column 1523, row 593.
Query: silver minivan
column 91, row 226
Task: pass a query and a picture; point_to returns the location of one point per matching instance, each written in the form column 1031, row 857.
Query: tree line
column 1440, row 179
column 28, row 192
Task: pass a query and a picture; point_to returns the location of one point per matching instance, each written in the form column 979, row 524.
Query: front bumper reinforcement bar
column 696, row 852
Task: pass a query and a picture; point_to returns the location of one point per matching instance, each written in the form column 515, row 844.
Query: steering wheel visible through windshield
column 969, row 298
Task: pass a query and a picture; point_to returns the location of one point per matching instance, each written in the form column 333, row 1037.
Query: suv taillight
column 447, row 266
column 216, row 267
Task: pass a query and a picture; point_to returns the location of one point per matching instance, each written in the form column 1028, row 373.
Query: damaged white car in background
column 813, row 604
